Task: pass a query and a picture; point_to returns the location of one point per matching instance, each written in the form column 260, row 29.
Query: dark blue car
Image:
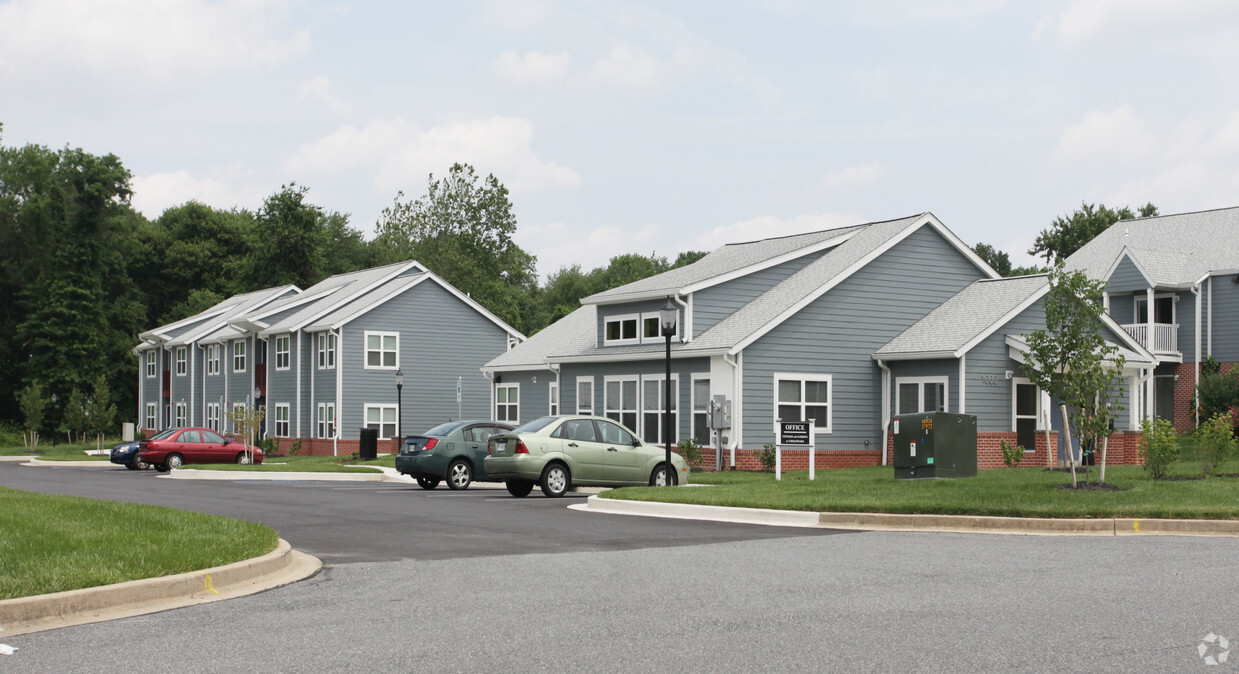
column 126, row 454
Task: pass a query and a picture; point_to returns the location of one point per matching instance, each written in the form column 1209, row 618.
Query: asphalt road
column 456, row 587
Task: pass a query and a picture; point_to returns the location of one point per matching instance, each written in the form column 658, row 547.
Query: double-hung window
column 382, row 418
column 151, row 409
column 584, row 395
column 920, row 394
column 151, row 367
column 326, row 420
column 620, row 399
column 212, row 359
column 621, row 330
column 326, row 351
column 382, row 350
column 283, row 351
column 654, row 406
column 804, row 397
column 701, row 410
column 1025, row 412
column 182, row 360
column 281, row 420
column 238, row 356
column 554, row 407
column 508, row 403
column 212, row 416
column 181, row 411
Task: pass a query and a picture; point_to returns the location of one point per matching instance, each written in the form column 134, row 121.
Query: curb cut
column 973, row 524
column 282, row 566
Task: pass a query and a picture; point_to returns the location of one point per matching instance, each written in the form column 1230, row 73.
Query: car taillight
column 520, row 448
column 430, row 444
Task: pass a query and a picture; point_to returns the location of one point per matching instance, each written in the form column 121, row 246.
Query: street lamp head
column 399, row 378
column 668, row 315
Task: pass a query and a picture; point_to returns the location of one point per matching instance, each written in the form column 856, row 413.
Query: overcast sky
column 647, row 127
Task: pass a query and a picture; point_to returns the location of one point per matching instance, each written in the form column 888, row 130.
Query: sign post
column 458, row 417
column 794, row 435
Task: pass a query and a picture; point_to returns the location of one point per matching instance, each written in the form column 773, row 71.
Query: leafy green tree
column 32, row 405
column 1068, row 234
column 688, row 257
column 74, row 420
column 1215, row 442
column 462, row 229
column 100, row 410
column 625, row 269
column 1071, row 360
column 288, row 241
column 344, row 248
column 1159, row 446
column 563, row 291
column 1000, row 261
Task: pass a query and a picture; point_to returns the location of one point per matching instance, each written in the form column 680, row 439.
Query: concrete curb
column 235, row 475
column 37, row 462
column 137, row 597
column 1034, row 526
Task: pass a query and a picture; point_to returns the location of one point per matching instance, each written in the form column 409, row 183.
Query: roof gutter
column 1196, row 383
column 626, row 357
column 688, row 318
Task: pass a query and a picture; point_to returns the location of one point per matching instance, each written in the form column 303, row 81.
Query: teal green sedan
column 557, row 452
column 453, row 451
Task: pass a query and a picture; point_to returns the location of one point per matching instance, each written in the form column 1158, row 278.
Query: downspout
column 335, row 423
column 204, row 398
column 1141, row 384
column 688, row 317
column 1210, row 329
column 559, row 387
column 192, row 402
column 313, row 406
column 886, row 406
column 491, row 377
column 1196, row 384
column 963, row 384
column 223, row 417
column 735, row 405
column 299, row 436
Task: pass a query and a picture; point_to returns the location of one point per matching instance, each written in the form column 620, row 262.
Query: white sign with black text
column 794, row 435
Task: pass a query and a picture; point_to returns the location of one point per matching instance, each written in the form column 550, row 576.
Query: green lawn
column 1028, row 492
column 55, row 543
column 61, row 452
column 307, row 464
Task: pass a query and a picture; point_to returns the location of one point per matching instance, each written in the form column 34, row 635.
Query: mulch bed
column 1092, row 486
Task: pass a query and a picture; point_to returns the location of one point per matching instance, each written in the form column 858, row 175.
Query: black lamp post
column 667, row 315
column 399, row 403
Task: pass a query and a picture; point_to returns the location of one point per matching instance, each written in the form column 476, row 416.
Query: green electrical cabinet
column 935, row 444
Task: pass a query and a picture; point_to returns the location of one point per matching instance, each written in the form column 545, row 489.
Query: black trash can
column 369, row 446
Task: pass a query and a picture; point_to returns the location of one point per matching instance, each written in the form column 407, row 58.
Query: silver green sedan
column 557, row 452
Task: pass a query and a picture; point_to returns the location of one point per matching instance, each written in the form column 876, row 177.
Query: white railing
column 1165, row 336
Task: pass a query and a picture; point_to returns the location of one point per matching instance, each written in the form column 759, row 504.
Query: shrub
column 295, row 448
column 766, row 456
column 1012, row 455
column 1218, row 393
column 1215, row 442
column 690, row 449
column 1159, row 447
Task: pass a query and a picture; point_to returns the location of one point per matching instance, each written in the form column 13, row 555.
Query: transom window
column 920, row 394
column 621, row 330
column 281, row 420
column 212, row 359
column 584, row 395
column 804, row 397
column 238, row 356
column 326, row 420
column 283, row 352
column 182, row 361
column 383, row 418
column 508, row 403
column 151, row 370
column 327, row 351
column 381, row 350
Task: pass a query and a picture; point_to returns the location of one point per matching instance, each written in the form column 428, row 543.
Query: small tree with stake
column 246, row 422
column 1072, row 361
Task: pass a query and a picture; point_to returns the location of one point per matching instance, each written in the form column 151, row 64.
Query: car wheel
column 244, row 458
column 161, row 467
column 140, row 465
column 519, row 488
column 556, row 481
column 427, row 482
column 132, row 466
column 659, row 476
column 174, row 461
column 459, row 474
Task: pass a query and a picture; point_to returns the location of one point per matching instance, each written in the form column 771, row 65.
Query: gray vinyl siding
column 533, row 396
column 644, row 307
column 1226, row 319
column 988, row 394
column 441, row 338
column 939, row 367
column 150, row 388
column 181, row 387
column 1126, row 277
column 837, row 334
column 1185, row 316
column 319, row 386
column 240, row 384
column 1123, row 308
column 684, row 369
column 282, row 386
column 213, row 387
column 713, row 304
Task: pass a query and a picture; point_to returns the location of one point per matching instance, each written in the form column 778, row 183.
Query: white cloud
column 127, row 39
column 1103, row 137
column 401, row 154
column 768, row 226
column 532, row 68
column 319, row 89
column 589, row 249
column 224, row 188
column 1088, row 19
column 854, row 176
column 629, row 67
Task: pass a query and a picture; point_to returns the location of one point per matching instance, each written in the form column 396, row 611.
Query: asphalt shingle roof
column 340, row 288
column 1175, row 250
column 218, row 316
column 575, row 333
column 965, row 316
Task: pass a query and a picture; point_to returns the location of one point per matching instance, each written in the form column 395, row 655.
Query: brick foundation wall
column 326, row 447
column 1184, row 389
column 794, row 459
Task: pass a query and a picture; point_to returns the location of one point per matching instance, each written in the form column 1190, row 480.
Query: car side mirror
column 636, row 442
column 227, row 441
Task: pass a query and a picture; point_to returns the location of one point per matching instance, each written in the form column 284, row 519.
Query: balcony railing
column 1165, row 336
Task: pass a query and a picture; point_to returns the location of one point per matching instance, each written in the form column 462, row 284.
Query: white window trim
column 212, row 359
column 641, row 411
column 365, row 350
column 181, row 420
column 593, row 394
column 213, row 417
column 287, row 417
column 152, row 368
column 553, row 400
column 620, row 319
column 705, row 442
column 286, row 352
column 151, row 418
column 1139, row 297
column 804, row 377
column 920, row 392
column 380, row 406
column 182, row 361
column 1043, row 403
column 636, row 427
column 242, row 356
column 325, row 421
column 509, row 385
column 326, row 350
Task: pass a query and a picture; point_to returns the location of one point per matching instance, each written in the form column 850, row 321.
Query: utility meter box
column 720, row 413
column 935, row 444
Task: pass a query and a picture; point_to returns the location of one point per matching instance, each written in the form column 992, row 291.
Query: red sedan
column 195, row 445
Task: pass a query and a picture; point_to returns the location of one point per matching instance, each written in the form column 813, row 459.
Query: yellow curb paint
column 210, row 587
column 1135, row 525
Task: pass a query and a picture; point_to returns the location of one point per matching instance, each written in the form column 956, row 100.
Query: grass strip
column 1022, row 492
column 306, row 464
column 56, row 543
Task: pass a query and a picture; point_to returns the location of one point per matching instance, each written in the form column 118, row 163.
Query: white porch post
column 1105, row 301
column 963, row 385
column 1149, row 336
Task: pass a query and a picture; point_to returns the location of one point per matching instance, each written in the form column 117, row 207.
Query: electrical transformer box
column 935, row 444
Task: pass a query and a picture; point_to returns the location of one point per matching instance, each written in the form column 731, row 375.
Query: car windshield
column 161, row 436
column 444, row 429
column 534, row 426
